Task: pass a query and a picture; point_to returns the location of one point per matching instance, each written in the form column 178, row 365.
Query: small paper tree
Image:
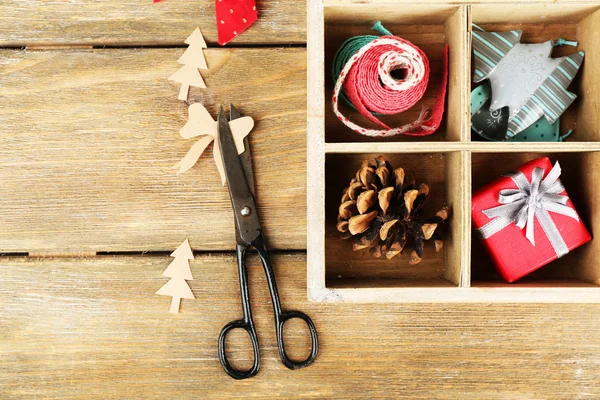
column 179, row 271
column 194, row 55
column 193, row 58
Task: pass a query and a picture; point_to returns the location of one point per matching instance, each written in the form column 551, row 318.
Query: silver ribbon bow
column 530, row 200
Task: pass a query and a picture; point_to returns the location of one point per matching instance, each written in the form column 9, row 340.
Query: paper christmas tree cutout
column 179, row 271
column 193, row 58
column 201, row 123
column 194, row 55
column 524, row 77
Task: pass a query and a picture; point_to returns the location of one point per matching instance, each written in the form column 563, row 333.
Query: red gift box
column 500, row 206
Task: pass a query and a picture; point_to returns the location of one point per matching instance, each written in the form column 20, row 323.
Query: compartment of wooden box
column 345, row 268
column 430, row 27
column 580, row 176
column 543, row 22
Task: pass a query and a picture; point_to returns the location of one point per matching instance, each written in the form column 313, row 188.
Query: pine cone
column 383, row 212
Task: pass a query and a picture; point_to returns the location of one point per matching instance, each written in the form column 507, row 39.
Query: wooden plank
column 457, row 237
column 315, row 174
column 474, row 147
column 93, row 328
column 517, row 12
column 458, row 106
column 588, row 34
column 378, row 3
column 90, row 141
column 139, row 22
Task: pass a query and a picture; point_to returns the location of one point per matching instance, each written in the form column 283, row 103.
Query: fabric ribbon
column 344, row 53
column 234, row 17
column 368, row 82
column 532, row 199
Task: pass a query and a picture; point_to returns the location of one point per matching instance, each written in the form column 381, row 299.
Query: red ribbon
column 234, row 17
column 370, row 87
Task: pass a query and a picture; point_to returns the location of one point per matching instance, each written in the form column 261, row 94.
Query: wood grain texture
column 91, row 139
column 457, row 238
column 588, row 34
column 458, row 103
column 139, row 22
column 93, row 328
column 378, row 3
column 471, row 147
column 315, row 135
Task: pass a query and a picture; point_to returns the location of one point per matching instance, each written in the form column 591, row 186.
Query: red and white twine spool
column 369, row 85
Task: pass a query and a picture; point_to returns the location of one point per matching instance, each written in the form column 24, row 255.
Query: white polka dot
column 244, row 19
column 231, row 10
column 222, row 21
column 253, row 8
column 235, row 32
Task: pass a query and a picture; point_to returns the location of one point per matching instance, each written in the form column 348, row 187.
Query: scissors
column 240, row 180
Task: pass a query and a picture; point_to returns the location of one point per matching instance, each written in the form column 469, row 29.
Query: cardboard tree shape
column 179, row 271
column 201, row 123
column 187, row 75
column 194, row 55
column 193, row 58
column 183, row 251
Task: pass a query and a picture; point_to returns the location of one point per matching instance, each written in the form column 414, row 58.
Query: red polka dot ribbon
column 234, row 17
column 368, row 82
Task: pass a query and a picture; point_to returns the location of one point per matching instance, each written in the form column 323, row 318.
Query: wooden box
column 451, row 161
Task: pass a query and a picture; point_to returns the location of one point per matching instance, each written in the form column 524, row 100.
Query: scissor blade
column 246, row 156
column 233, row 112
column 242, row 201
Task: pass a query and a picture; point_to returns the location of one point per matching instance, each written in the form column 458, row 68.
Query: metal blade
column 233, row 112
column 242, row 200
column 246, row 156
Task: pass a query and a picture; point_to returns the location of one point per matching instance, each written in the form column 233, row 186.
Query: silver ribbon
column 530, row 200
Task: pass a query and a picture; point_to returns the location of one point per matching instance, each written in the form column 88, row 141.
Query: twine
column 347, row 50
column 369, row 86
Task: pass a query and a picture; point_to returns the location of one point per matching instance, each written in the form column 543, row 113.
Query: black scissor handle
column 249, row 328
column 291, row 364
column 281, row 317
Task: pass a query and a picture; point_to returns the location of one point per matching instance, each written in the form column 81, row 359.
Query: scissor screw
column 245, row 211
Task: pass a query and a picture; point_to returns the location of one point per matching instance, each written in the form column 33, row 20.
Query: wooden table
column 91, row 205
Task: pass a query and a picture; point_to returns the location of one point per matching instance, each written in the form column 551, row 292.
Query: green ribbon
column 349, row 48
column 563, row 42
